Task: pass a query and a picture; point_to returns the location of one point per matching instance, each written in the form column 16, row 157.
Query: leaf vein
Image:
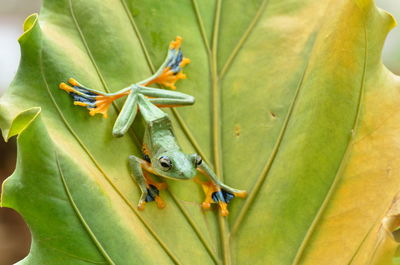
column 80, row 216
column 82, row 36
column 201, row 25
column 243, row 39
column 342, row 165
column 197, row 230
column 71, row 255
column 264, row 173
column 362, row 243
column 138, row 36
column 96, row 67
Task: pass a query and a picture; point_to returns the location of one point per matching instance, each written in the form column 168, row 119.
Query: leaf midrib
column 216, row 78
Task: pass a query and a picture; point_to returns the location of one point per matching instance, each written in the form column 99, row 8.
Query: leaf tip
column 28, row 25
column 22, row 121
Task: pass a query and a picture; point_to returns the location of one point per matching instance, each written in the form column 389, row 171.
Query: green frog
column 162, row 155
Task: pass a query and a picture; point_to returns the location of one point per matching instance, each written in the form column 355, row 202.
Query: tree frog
column 162, row 155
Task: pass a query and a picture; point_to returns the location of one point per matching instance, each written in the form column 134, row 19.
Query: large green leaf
column 293, row 104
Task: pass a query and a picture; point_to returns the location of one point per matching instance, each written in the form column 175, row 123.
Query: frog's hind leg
column 166, row 98
column 95, row 101
column 150, row 189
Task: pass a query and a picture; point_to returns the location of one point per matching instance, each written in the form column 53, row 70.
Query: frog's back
column 150, row 112
column 158, row 135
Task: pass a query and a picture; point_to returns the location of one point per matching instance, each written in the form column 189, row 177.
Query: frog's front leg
column 216, row 191
column 150, row 189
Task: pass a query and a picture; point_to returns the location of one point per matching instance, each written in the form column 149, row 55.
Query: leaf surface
column 293, row 104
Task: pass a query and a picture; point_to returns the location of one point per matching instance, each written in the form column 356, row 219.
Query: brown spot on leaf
column 237, row 130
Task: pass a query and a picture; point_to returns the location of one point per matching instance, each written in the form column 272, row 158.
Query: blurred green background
column 14, row 235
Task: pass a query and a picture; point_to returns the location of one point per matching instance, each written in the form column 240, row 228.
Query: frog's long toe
column 94, row 101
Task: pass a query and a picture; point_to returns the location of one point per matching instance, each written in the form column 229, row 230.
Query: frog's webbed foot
column 171, row 71
column 95, row 101
column 150, row 189
column 219, row 195
column 153, row 192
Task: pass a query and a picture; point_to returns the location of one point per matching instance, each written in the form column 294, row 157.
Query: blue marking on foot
column 174, row 63
column 152, row 192
column 223, row 196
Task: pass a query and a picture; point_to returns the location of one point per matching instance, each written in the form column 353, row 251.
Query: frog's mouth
column 178, row 176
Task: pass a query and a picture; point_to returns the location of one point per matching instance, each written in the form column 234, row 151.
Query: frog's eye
column 165, row 163
column 198, row 160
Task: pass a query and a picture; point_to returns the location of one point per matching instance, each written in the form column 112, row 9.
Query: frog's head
column 176, row 165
